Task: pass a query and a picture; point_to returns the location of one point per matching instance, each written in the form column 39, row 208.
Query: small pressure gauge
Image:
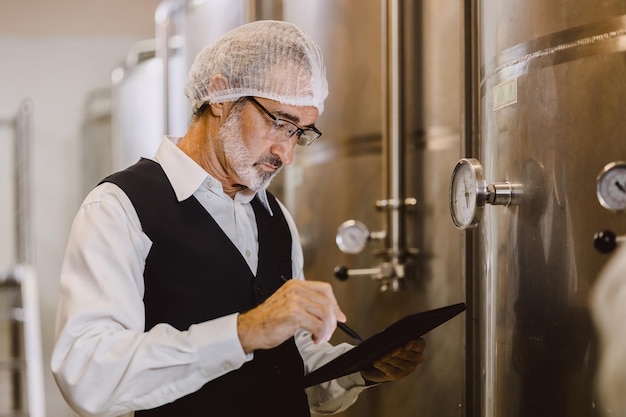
column 352, row 236
column 611, row 189
column 468, row 191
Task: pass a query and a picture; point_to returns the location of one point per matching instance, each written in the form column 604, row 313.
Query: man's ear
column 218, row 83
column 218, row 109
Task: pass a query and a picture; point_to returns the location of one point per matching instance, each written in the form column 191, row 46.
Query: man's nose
column 285, row 150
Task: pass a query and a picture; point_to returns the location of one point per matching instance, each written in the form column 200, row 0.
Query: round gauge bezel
column 478, row 192
column 350, row 247
column 604, row 199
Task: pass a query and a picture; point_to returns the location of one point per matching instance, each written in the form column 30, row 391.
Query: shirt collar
column 186, row 176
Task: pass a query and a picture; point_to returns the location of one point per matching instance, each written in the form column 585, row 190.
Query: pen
column 344, row 327
column 347, row 330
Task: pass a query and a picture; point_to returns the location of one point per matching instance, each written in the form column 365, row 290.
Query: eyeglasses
column 284, row 129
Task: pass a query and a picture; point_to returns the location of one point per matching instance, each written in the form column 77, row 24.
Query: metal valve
column 606, row 241
column 387, row 273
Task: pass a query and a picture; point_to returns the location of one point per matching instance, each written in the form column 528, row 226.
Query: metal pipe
column 470, row 268
column 393, row 132
column 167, row 26
column 26, row 368
column 251, row 10
column 25, row 243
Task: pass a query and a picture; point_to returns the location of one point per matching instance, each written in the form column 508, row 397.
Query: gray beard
column 238, row 157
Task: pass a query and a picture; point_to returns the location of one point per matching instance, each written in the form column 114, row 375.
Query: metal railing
column 21, row 366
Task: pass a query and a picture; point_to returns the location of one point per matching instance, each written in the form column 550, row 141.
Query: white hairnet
column 267, row 58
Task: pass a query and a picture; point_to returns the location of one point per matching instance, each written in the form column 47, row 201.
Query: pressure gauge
column 352, row 236
column 611, row 189
column 468, row 191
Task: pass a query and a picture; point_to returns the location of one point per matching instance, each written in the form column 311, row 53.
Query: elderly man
column 177, row 295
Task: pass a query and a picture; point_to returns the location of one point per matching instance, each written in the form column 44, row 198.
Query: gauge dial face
column 467, row 193
column 352, row 236
column 611, row 191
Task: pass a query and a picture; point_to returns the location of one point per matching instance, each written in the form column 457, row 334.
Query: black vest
column 194, row 273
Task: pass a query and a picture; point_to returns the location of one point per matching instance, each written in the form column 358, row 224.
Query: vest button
column 260, row 291
column 277, row 369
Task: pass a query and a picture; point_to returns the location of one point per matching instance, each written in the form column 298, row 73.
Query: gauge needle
column 620, row 187
column 466, row 194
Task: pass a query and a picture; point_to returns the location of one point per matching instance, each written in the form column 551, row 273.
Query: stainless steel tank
column 95, row 147
column 343, row 175
column 549, row 101
column 183, row 29
column 137, row 102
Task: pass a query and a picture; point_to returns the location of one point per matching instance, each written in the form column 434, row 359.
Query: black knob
column 604, row 241
column 341, row 273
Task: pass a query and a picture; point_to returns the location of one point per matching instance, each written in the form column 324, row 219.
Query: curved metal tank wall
column 136, row 107
column 194, row 24
column 198, row 23
column 341, row 177
column 207, row 20
column 95, row 147
column 552, row 98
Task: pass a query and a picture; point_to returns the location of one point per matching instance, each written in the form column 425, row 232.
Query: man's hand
column 307, row 305
column 396, row 364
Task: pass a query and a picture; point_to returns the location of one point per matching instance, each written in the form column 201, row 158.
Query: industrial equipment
column 21, row 361
column 544, row 103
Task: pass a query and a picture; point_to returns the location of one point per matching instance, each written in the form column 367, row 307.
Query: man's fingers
column 307, row 305
column 397, row 364
column 316, row 306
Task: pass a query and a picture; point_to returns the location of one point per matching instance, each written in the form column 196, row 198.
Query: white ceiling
column 78, row 17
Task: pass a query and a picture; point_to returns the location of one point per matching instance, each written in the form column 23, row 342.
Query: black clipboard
column 402, row 331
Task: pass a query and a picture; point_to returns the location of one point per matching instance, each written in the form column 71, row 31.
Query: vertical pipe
column 25, row 251
column 16, row 349
column 393, row 128
column 468, row 148
column 250, row 10
column 162, row 21
column 23, row 237
column 31, row 340
column 166, row 29
column 24, row 242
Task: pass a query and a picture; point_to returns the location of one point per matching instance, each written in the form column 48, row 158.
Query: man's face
column 254, row 151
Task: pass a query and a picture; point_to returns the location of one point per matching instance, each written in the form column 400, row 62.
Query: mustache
column 270, row 160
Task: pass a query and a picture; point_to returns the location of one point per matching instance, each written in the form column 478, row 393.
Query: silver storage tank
column 148, row 98
column 551, row 99
column 207, row 20
column 184, row 28
column 137, row 124
column 342, row 176
column 95, row 147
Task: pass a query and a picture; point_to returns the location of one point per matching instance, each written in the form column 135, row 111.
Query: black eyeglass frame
column 303, row 138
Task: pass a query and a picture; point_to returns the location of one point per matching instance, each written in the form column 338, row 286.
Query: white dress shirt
column 608, row 308
column 103, row 361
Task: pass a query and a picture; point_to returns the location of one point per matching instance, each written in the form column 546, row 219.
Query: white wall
column 56, row 73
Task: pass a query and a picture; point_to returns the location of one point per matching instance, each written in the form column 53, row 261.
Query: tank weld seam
column 568, row 45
